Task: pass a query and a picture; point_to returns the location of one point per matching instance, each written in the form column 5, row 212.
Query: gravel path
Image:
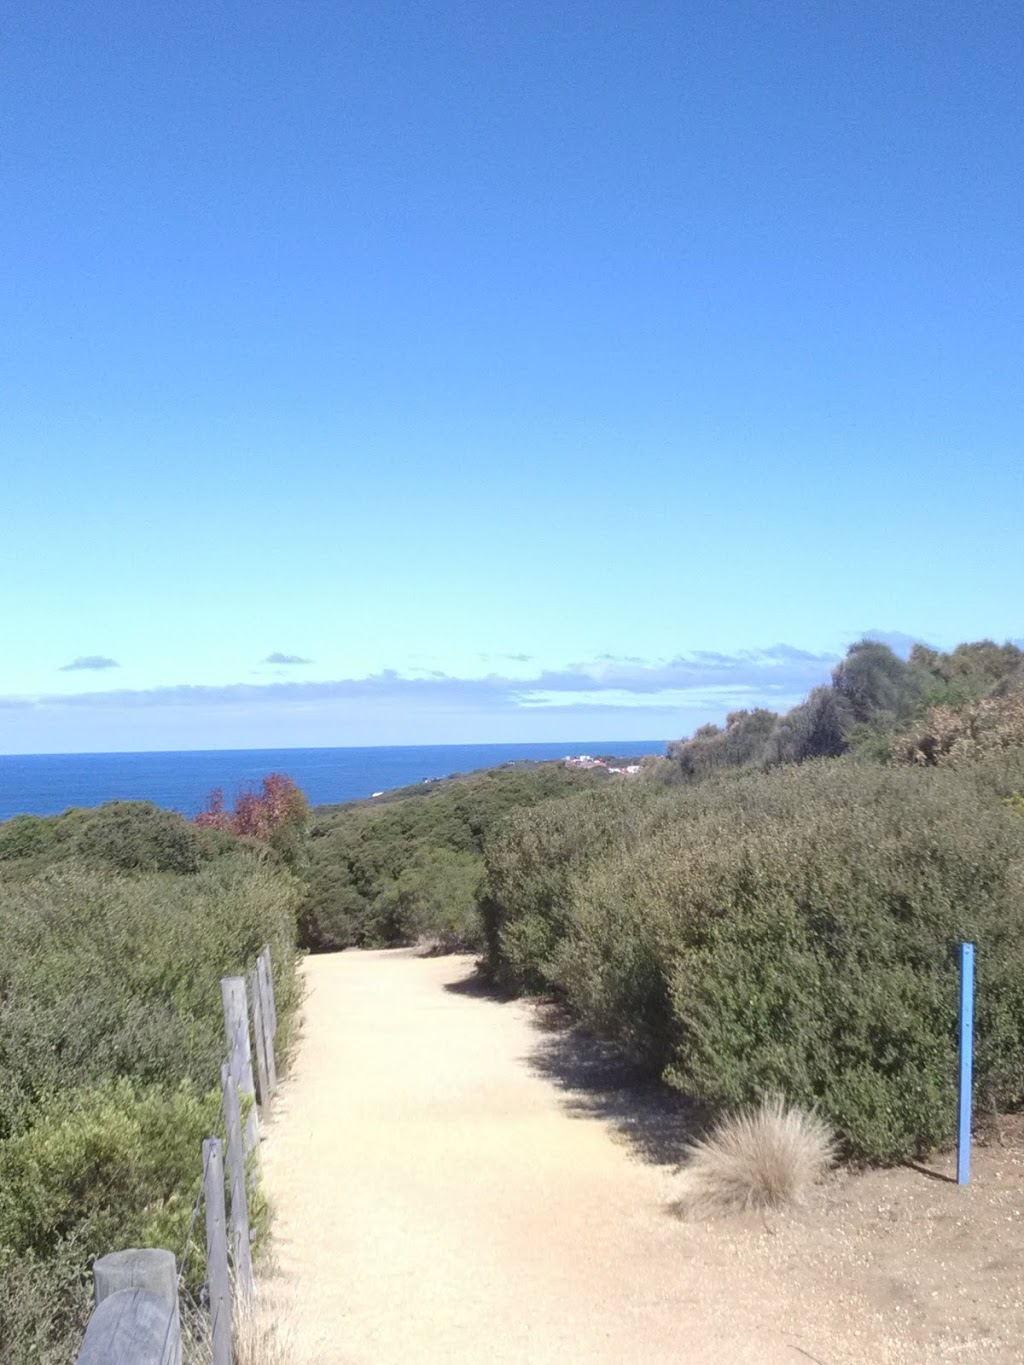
column 453, row 1182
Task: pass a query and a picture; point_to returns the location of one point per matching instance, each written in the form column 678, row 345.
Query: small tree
column 277, row 815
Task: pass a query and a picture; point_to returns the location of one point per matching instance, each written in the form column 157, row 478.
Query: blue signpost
column 963, row 1143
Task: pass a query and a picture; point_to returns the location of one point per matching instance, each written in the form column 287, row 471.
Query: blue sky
column 526, row 371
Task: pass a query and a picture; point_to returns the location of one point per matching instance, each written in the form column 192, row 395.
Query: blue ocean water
column 46, row 784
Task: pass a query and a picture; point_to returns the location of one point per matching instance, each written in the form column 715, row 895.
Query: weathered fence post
column 241, row 1253
column 136, row 1318
column 263, row 990
column 261, row 1042
column 218, row 1277
column 271, row 999
column 236, row 1029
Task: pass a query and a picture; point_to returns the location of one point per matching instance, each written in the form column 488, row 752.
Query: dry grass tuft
column 259, row 1335
column 763, row 1157
column 260, row 1338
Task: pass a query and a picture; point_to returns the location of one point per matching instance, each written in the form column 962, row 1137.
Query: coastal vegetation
column 408, row 866
column 775, row 909
column 766, row 917
column 772, row 908
column 116, row 925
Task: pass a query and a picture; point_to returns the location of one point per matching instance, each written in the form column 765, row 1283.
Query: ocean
column 46, row 784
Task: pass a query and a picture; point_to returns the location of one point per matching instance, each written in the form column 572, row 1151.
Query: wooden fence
column 136, row 1320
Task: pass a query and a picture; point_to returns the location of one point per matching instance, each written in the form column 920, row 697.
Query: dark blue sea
column 46, row 784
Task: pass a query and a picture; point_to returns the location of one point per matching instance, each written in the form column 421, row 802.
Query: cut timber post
column 241, row 1255
column 218, row 1277
column 261, row 1043
column 271, row 998
column 263, row 990
column 236, row 1030
column 136, row 1319
column 132, row 1327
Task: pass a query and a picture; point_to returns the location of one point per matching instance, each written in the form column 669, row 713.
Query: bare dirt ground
column 458, row 1180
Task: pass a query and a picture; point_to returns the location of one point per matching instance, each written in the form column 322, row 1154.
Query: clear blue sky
column 455, row 348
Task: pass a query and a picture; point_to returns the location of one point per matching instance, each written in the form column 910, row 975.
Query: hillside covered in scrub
column 116, row 925
column 409, row 865
column 872, row 699
column 777, row 909
column 773, row 907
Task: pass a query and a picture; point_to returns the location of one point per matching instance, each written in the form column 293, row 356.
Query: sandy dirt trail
column 452, row 1182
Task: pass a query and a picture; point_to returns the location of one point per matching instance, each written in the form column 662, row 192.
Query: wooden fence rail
column 136, row 1319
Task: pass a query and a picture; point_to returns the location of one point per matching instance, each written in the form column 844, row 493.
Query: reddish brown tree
column 214, row 816
column 259, row 814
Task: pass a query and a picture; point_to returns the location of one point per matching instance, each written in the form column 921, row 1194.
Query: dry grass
column 763, row 1157
column 259, row 1335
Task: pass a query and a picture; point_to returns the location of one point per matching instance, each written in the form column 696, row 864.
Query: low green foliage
column 535, row 860
column 873, row 696
column 104, row 975
column 433, row 899
column 407, row 867
column 116, row 926
column 790, row 932
column 129, row 836
column 107, row 1167
column 44, row 1303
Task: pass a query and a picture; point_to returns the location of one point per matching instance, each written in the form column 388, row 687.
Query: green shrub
column 743, row 743
column 116, row 926
column 535, row 860
column 44, row 1307
column 99, row 1169
column 129, row 836
column 434, row 899
column 137, row 836
column 105, row 975
column 27, row 836
column 376, row 870
column 791, row 932
column 954, row 736
column 104, row 1168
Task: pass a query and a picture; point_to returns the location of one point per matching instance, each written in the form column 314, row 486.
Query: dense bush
column 140, row 837
column 407, row 867
column 947, row 735
column 872, row 696
column 967, row 673
column 103, row 975
column 433, row 899
column 742, row 742
column 107, row 1167
column 534, row 863
column 115, row 928
column 789, row 932
column 129, row 836
column 45, row 1301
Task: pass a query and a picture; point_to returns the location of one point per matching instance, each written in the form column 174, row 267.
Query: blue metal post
column 963, row 1143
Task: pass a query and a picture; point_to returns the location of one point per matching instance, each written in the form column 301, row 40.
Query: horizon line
column 325, row 748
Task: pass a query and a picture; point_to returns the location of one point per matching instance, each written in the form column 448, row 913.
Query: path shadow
column 598, row 1081
column 477, row 986
column 931, row 1174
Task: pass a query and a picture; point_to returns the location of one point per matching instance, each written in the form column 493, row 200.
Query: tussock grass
column 766, row 1156
column 260, row 1334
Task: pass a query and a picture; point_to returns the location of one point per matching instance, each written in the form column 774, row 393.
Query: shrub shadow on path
column 596, row 1080
column 475, row 985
